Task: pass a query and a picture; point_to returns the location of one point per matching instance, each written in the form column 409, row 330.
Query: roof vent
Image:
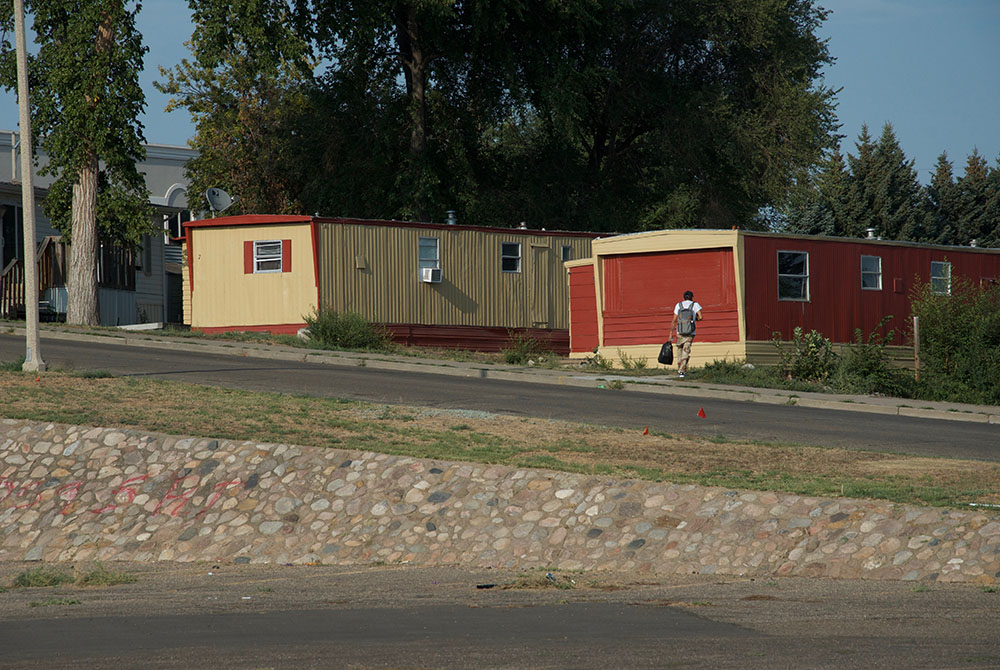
column 973, row 244
column 871, row 233
column 450, row 216
column 523, row 226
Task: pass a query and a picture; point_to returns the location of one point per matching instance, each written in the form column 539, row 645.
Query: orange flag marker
column 645, row 430
column 38, row 378
column 701, row 412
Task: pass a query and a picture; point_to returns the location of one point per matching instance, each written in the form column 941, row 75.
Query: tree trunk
column 415, row 73
column 82, row 308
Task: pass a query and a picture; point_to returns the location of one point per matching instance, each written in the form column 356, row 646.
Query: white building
column 140, row 287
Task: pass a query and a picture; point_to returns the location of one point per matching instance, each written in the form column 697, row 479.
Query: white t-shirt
column 690, row 303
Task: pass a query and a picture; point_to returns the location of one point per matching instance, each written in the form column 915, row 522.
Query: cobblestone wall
column 72, row 493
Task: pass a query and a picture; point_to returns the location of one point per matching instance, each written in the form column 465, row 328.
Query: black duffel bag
column 666, row 356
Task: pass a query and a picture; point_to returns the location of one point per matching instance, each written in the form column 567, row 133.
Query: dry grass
column 168, row 407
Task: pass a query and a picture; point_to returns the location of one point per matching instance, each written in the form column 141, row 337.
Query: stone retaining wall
column 72, row 493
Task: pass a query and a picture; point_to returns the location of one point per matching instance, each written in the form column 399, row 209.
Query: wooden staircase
column 51, row 259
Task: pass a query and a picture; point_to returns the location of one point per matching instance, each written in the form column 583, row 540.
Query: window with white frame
column 793, row 275
column 567, row 253
column 510, row 256
column 941, row 277
column 429, row 252
column 871, row 273
column 266, row 256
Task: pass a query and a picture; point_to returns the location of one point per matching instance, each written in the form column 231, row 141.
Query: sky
column 929, row 67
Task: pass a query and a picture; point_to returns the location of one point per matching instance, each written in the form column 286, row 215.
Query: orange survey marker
column 701, row 412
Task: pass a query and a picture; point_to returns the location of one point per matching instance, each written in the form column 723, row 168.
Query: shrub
column 811, row 357
column 42, row 576
column 12, row 366
column 959, row 343
column 524, row 348
column 346, row 330
column 865, row 367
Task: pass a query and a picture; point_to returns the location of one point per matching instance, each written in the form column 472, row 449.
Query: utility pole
column 32, row 348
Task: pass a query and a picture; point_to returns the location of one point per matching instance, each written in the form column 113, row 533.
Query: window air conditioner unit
column 430, row 275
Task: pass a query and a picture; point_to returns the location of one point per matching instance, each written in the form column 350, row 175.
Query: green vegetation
column 523, row 349
column 51, row 575
column 346, row 330
column 12, row 366
column 42, row 576
column 959, row 343
column 49, row 602
column 101, row 576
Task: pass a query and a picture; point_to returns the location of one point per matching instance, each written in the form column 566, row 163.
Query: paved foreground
column 209, row 616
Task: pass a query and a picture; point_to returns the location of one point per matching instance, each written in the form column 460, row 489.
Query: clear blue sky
column 930, row 67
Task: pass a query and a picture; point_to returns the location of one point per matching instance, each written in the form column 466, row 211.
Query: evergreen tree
column 897, row 191
column 822, row 209
column 972, row 199
column 859, row 202
column 86, row 101
column 991, row 230
column 941, row 198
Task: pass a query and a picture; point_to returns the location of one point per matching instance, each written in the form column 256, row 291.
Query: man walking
column 686, row 313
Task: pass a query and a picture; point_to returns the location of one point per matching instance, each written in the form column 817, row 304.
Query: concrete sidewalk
column 569, row 375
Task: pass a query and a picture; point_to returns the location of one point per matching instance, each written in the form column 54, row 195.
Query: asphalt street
column 631, row 409
column 191, row 616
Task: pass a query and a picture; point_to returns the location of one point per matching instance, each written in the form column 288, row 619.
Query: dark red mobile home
column 752, row 285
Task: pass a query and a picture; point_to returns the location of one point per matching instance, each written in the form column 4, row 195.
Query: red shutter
column 248, row 257
column 286, row 255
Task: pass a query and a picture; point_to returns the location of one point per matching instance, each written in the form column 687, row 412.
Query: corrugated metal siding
column 642, row 289
column 373, row 270
column 582, row 309
column 837, row 304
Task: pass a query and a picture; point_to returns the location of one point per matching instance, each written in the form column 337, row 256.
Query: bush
column 811, row 358
column 866, row 367
column 523, row 348
column 631, row 362
column 959, row 343
column 346, row 330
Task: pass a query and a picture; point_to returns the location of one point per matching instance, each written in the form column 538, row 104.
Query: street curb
column 863, row 404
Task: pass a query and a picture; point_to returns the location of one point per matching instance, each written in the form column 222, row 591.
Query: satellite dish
column 218, row 200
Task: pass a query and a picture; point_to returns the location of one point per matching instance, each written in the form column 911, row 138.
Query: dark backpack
column 685, row 320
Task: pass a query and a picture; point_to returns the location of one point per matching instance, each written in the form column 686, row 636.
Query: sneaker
column 681, row 375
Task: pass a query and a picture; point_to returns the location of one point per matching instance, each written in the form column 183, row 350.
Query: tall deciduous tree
column 248, row 92
column 87, row 100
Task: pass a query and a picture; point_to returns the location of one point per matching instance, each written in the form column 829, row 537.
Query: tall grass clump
column 346, row 330
column 12, row 366
column 959, row 343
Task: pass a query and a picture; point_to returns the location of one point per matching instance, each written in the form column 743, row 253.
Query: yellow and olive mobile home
column 429, row 284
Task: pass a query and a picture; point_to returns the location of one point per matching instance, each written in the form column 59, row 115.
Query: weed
column 12, row 366
column 811, row 357
column 53, row 601
column 631, row 362
column 989, row 588
column 599, row 362
column 42, row 576
column 265, row 589
column 461, row 426
column 101, row 576
column 616, row 385
column 921, row 588
column 92, row 374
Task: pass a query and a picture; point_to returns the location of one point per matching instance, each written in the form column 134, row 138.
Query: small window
column 941, row 277
column 793, row 275
column 266, row 256
column 567, row 253
column 510, row 256
column 871, row 273
column 429, row 252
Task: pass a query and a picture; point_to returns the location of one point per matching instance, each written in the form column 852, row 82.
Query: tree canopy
column 587, row 114
column 86, row 101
